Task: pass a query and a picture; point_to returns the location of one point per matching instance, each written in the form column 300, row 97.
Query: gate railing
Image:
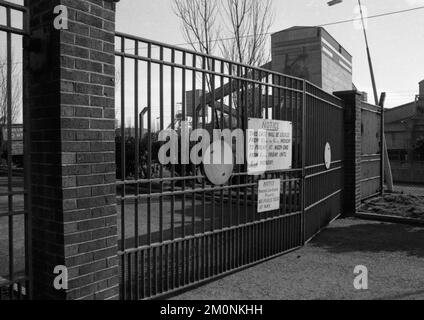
column 324, row 184
column 14, row 216
column 176, row 229
column 371, row 151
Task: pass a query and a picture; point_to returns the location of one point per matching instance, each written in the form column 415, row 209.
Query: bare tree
column 198, row 19
column 16, row 86
column 198, row 22
column 249, row 22
column 243, row 40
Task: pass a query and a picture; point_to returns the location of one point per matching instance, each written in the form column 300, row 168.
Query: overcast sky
column 396, row 41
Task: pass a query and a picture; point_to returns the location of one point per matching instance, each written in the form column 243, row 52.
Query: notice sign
column 269, row 195
column 269, row 144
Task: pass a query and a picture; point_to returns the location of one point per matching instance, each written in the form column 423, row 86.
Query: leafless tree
column 198, row 19
column 198, row 22
column 247, row 25
column 239, row 28
column 16, row 85
column 249, row 22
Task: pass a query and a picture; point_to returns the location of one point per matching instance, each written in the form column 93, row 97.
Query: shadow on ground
column 372, row 237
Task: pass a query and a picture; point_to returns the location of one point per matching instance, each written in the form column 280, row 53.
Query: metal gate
column 324, row 159
column 14, row 214
column 178, row 230
column 372, row 161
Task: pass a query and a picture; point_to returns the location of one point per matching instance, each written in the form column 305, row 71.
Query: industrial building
column 404, row 127
column 313, row 54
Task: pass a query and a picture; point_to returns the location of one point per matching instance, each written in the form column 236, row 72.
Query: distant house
column 404, row 128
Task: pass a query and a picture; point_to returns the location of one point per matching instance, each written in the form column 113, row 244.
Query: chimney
column 421, row 93
column 364, row 96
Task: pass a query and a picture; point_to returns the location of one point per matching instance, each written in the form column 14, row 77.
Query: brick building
column 313, row 54
column 404, row 127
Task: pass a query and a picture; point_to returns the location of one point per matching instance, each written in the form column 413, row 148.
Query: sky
column 396, row 41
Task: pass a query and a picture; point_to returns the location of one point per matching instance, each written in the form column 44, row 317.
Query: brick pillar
column 71, row 106
column 352, row 167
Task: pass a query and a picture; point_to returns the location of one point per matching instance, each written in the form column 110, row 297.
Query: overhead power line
column 321, row 25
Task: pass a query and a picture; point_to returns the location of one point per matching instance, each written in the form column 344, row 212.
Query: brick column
column 71, row 106
column 352, row 167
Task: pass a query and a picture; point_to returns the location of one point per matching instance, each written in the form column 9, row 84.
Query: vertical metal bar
column 167, row 277
column 188, row 242
column 161, row 93
column 177, row 266
column 193, row 204
column 383, row 96
column 172, row 166
column 184, row 118
column 149, row 146
column 230, row 102
column 149, row 167
column 129, row 277
column 207, row 256
column 137, row 169
column 155, row 273
column 214, row 119
column 247, row 110
column 9, row 150
column 194, row 126
column 266, row 96
column 205, row 74
column 143, row 275
column 183, row 75
column 222, row 128
column 244, row 126
column 304, row 110
column 123, row 285
column 173, row 269
column 217, row 254
column 27, row 159
column 198, row 265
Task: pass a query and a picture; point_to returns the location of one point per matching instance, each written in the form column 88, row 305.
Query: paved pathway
column 393, row 254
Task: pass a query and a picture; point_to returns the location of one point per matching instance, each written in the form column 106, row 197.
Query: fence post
column 352, row 156
column 71, row 74
column 303, row 198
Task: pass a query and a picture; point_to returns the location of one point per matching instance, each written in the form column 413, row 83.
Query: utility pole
column 374, row 86
column 387, row 167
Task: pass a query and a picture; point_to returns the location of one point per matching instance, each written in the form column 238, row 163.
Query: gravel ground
column 417, row 190
column 397, row 204
column 324, row 268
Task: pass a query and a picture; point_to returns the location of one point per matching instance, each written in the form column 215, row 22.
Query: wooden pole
column 386, row 167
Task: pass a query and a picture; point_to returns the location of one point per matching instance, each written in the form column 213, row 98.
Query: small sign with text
column 269, row 195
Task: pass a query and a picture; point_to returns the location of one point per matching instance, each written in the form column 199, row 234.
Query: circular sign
column 327, row 156
column 218, row 163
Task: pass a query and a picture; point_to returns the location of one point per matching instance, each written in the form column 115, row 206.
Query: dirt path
column 393, row 254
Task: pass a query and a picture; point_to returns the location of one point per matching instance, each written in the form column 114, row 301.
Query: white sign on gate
column 269, row 195
column 269, row 146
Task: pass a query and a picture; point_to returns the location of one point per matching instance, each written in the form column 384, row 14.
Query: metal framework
column 14, row 217
column 176, row 229
column 324, row 123
column 372, row 157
